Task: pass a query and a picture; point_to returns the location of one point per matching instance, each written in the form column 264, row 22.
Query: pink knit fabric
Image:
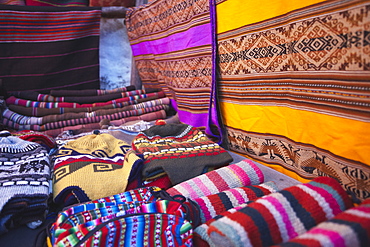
column 243, row 173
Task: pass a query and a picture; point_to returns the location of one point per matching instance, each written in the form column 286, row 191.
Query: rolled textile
column 78, row 129
column 26, row 120
column 81, row 99
column 350, row 228
column 23, row 102
column 282, row 215
column 53, row 125
column 212, row 205
column 243, row 173
column 201, row 238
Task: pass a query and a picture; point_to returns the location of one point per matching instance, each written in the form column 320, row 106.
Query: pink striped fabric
column 280, row 216
column 212, row 205
column 243, row 173
column 350, row 228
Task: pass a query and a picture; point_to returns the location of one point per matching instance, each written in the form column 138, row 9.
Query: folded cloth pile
column 91, row 167
column 25, row 177
column 277, row 217
column 179, row 151
column 82, row 109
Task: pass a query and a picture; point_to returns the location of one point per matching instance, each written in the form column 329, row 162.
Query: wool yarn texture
column 25, row 177
column 138, row 194
column 212, row 205
column 201, row 237
column 91, row 167
column 350, row 228
column 132, row 218
column 39, row 137
column 243, row 173
column 281, row 216
column 179, row 151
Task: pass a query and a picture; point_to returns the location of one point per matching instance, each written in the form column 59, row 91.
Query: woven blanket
column 78, row 121
column 81, row 128
column 294, row 86
column 280, row 216
column 58, row 3
column 40, row 112
column 13, row 2
column 98, row 114
column 80, row 99
column 107, row 3
column 58, row 51
column 349, row 228
column 172, row 44
column 42, row 104
column 243, row 173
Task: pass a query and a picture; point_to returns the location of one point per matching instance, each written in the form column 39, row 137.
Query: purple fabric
column 174, row 47
column 175, row 42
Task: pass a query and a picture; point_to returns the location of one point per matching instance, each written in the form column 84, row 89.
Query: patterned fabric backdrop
column 295, row 86
column 173, row 44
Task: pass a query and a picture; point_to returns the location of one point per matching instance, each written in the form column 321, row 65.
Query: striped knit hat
column 34, row 136
column 350, row 228
column 91, row 167
column 24, row 182
column 212, row 205
column 281, row 216
column 243, row 173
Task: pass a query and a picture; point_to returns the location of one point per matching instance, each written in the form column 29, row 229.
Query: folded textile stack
column 24, row 182
column 85, row 109
column 91, row 167
column 177, row 151
column 277, row 217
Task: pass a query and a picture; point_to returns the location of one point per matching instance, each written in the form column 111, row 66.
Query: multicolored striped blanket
column 57, row 115
column 45, row 48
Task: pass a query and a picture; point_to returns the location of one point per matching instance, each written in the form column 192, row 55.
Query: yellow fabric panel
column 344, row 137
column 238, row 13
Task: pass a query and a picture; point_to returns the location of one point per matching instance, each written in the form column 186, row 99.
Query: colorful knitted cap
column 281, row 216
column 34, row 136
column 90, row 167
column 349, row 228
column 243, row 173
column 212, row 205
column 180, row 151
column 24, row 182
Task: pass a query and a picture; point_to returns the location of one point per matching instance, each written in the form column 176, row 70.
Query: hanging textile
column 295, row 86
column 44, row 48
column 173, row 46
